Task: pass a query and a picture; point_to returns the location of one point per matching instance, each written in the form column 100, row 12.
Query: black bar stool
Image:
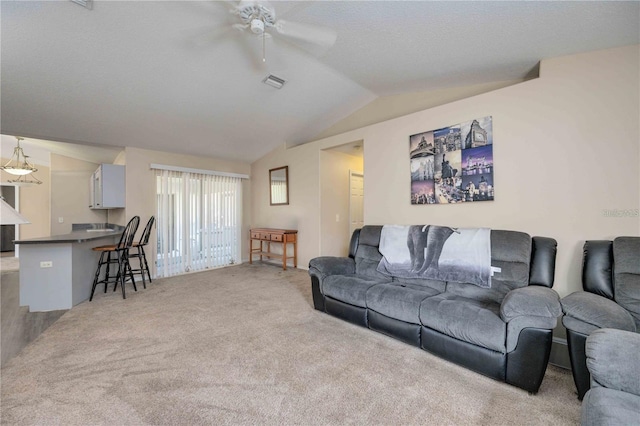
column 116, row 254
column 140, row 254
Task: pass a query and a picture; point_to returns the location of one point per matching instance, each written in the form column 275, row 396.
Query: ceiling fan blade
column 315, row 34
column 208, row 36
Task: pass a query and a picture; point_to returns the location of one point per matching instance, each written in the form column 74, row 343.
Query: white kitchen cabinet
column 107, row 187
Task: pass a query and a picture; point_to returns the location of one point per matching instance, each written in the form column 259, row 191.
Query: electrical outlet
column 46, row 264
column 61, row 220
column 337, row 218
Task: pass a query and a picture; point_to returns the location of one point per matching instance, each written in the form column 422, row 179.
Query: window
column 199, row 221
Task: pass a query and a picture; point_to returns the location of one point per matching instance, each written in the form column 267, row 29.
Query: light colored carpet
column 243, row 345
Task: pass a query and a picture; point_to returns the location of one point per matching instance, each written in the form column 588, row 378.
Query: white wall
column 566, row 147
column 303, row 211
column 71, row 194
column 393, row 106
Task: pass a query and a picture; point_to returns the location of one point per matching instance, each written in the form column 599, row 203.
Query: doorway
column 199, row 221
column 336, row 167
column 356, row 200
column 8, row 232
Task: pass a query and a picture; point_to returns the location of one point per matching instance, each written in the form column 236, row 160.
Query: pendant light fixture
column 25, row 180
column 18, row 164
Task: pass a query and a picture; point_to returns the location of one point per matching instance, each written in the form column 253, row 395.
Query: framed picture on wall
column 453, row 164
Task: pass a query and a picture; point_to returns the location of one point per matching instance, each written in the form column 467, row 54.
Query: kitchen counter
column 79, row 233
column 57, row 272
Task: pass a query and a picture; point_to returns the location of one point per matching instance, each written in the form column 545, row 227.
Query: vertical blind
column 199, row 221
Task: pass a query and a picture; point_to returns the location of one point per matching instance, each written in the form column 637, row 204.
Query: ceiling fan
column 259, row 17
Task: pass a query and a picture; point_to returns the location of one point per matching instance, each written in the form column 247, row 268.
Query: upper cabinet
column 107, row 187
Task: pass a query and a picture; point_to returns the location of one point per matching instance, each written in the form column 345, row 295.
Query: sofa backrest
column 597, row 267
column 611, row 269
column 353, row 244
column 543, row 261
column 367, row 255
column 513, row 252
column 626, row 275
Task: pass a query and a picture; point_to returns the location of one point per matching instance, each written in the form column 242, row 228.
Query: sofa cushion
column 439, row 286
column 470, row 320
column 511, row 252
column 350, row 289
column 626, row 255
column 398, row 301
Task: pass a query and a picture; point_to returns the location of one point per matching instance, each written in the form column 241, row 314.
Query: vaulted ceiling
column 175, row 76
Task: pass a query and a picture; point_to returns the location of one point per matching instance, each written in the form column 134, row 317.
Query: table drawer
column 264, row 237
column 255, row 235
column 276, row 237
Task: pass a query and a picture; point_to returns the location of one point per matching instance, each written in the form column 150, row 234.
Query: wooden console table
column 270, row 235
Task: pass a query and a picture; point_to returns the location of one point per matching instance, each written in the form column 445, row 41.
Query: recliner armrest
column 531, row 301
column 533, row 306
column 596, row 311
column 328, row 265
column 612, row 359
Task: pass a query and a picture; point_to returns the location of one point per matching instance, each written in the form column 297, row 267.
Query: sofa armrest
column 529, row 307
column 612, row 359
column 531, row 301
column 328, row 265
column 594, row 311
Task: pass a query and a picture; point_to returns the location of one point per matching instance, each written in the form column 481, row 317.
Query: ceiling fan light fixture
column 274, row 81
column 257, row 26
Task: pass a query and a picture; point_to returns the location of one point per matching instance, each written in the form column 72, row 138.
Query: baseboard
column 277, row 263
column 560, row 353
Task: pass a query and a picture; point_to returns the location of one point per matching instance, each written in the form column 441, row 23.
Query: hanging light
column 18, row 164
column 24, row 181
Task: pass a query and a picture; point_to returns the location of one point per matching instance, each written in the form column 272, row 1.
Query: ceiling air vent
column 274, row 81
column 85, row 3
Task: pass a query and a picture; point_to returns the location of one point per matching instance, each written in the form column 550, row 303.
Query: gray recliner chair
column 614, row 397
column 611, row 299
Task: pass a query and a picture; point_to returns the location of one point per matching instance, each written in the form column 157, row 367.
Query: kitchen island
column 57, row 272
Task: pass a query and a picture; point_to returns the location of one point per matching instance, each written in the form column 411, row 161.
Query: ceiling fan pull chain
column 264, row 55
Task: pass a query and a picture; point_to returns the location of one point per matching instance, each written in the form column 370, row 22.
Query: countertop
column 80, row 233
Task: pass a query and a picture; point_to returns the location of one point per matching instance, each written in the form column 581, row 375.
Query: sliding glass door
column 199, row 221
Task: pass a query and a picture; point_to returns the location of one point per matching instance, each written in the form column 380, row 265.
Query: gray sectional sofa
column 503, row 332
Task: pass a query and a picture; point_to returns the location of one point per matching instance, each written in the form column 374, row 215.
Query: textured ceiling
column 174, row 76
